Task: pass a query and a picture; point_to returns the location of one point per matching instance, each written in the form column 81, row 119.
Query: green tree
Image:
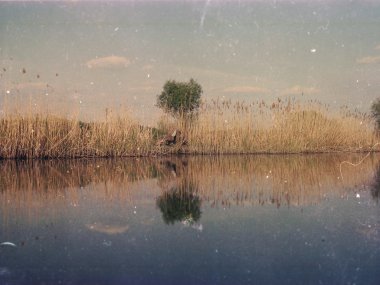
column 375, row 110
column 180, row 99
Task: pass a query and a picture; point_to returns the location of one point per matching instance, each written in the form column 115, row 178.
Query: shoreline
column 184, row 154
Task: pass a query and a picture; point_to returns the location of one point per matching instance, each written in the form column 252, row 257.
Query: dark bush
column 375, row 110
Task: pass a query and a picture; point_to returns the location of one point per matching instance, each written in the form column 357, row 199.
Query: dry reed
column 221, row 127
column 46, row 136
column 281, row 127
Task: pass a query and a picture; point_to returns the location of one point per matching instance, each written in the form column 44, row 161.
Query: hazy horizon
column 84, row 57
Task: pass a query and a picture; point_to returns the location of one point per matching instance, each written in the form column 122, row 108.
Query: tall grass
column 221, row 127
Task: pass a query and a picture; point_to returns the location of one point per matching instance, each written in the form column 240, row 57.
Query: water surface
column 191, row 220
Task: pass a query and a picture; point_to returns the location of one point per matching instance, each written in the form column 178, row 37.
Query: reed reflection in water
column 31, row 187
column 282, row 180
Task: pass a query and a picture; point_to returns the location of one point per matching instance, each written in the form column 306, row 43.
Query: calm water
column 197, row 220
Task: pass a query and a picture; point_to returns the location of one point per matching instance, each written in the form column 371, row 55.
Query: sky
column 83, row 57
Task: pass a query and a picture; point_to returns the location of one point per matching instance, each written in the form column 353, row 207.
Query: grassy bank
column 221, row 127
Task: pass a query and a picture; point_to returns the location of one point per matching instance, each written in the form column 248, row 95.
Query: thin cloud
column 148, row 67
column 31, row 86
column 108, row 62
column 369, row 59
column 297, row 90
column 246, row 90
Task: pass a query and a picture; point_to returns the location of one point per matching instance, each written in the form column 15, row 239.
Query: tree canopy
column 180, row 99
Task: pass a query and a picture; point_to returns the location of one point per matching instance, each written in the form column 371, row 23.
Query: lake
column 264, row 219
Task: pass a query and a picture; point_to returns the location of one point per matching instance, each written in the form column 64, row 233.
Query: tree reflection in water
column 180, row 204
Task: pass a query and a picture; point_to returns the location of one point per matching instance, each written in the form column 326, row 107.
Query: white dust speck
column 8, row 92
column 148, row 75
column 357, row 195
column 198, row 227
column 7, row 243
column 313, row 50
column 116, row 29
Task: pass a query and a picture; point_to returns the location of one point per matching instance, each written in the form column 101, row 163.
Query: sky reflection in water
column 197, row 220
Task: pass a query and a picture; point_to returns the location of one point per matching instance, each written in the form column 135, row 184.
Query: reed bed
column 221, row 127
column 280, row 127
column 47, row 136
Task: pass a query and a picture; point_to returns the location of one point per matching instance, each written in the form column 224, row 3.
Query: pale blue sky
column 84, row 56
